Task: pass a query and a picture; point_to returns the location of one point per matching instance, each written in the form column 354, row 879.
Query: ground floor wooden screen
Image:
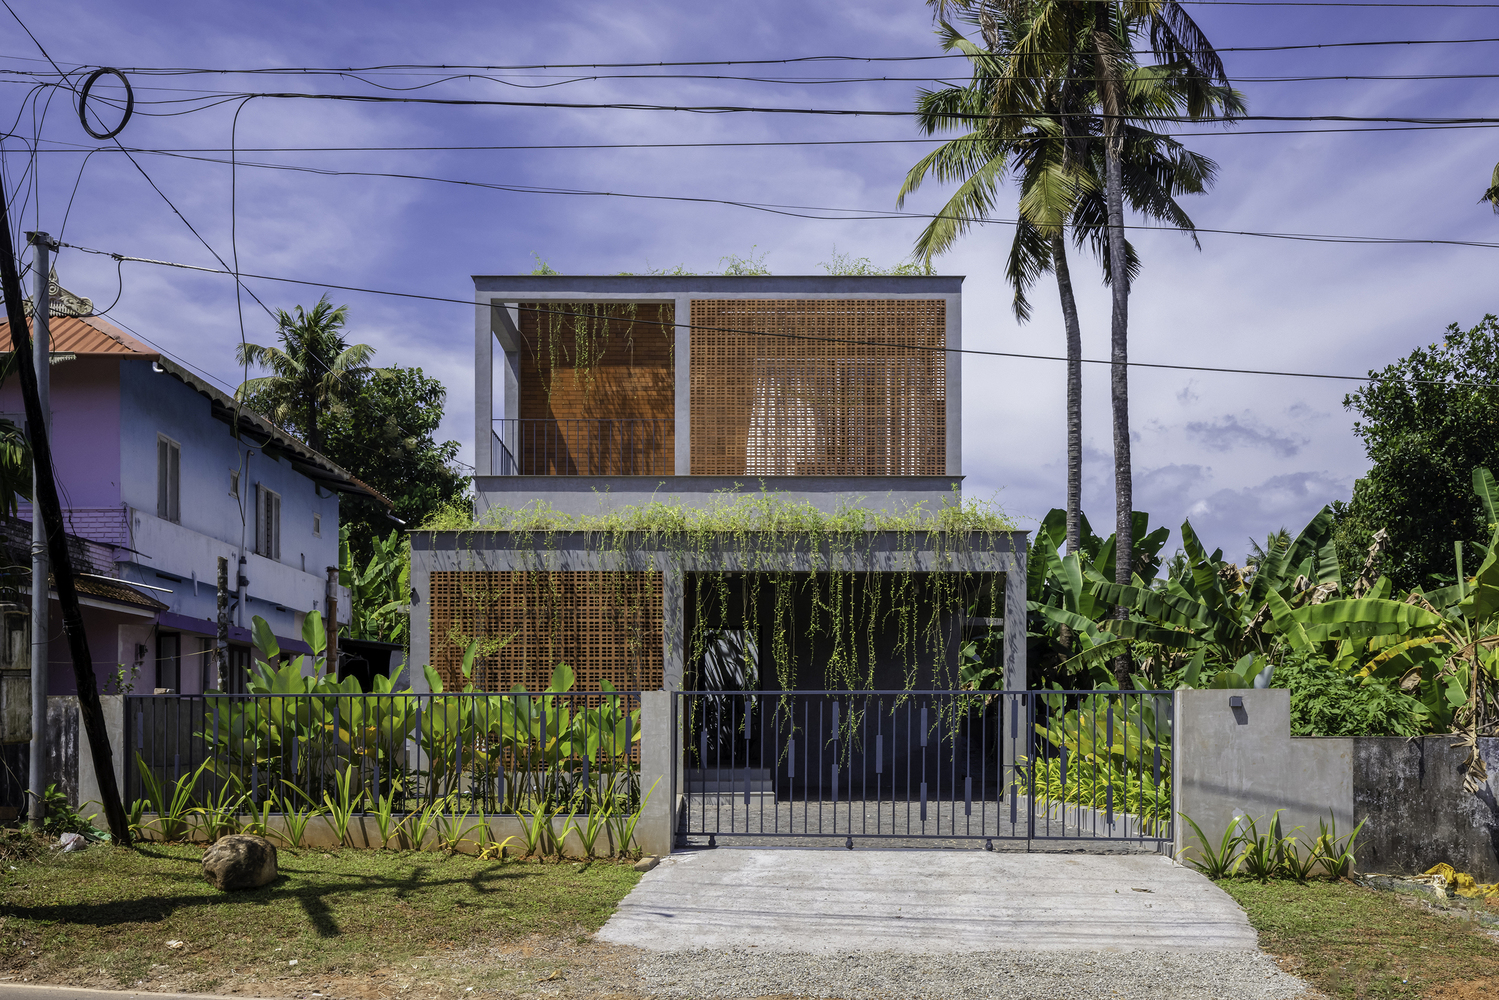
column 606, row 626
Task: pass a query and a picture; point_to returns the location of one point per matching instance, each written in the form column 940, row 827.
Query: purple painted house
column 161, row 474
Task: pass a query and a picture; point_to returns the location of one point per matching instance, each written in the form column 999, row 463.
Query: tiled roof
column 86, row 336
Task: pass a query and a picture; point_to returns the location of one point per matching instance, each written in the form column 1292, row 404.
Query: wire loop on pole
column 83, row 102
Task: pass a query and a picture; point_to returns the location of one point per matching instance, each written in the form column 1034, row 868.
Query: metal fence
column 567, row 447
column 493, row 753
column 924, row 765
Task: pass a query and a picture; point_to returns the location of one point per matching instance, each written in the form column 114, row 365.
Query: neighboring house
column 161, row 474
column 593, row 394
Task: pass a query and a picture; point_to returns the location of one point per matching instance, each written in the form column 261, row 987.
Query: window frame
column 234, row 483
column 317, row 524
column 267, row 522
column 168, row 479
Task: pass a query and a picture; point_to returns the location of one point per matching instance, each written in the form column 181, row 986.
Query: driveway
column 925, row 902
column 951, row 924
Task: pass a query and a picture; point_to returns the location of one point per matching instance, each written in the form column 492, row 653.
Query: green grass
column 103, row 916
column 1351, row 941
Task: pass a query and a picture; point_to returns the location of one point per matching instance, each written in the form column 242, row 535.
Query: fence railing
column 492, row 753
column 626, row 447
column 952, row 765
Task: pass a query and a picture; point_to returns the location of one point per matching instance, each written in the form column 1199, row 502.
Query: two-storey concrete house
column 162, row 473
column 609, row 409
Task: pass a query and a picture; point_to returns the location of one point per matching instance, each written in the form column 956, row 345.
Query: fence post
column 653, row 834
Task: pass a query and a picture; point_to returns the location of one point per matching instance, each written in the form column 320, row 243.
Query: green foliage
column 842, row 607
column 63, row 818
column 1242, row 849
column 384, row 432
column 381, row 592
column 749, row 264
column 1330, row 699
column 847, row 263
column 1426, row 422
column 15, row 466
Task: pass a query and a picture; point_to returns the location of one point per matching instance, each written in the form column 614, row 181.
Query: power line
column 845, row 214
column 82, row 148
column 788, row 336
column 721, row 109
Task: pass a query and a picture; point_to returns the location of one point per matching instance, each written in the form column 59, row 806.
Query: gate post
column 654, row 832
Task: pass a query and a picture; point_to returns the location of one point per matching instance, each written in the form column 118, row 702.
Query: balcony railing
column 630, row 447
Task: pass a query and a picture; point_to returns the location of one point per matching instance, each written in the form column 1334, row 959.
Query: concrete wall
column 1241, row 761
column 1419, row 814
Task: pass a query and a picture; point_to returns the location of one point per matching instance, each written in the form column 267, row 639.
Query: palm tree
column 313, row 368
column 1087, row 44
column 1492, row 194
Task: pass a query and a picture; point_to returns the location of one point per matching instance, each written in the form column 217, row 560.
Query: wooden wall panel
column 779, row 405
column 606, row 626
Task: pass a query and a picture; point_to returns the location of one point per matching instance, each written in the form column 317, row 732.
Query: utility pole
column 45, row 505
column 41, row 349
column 221, row 653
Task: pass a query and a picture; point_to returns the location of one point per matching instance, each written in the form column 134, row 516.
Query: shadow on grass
column 308, row 888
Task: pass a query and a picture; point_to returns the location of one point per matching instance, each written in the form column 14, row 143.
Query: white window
column 267, row 522
column 317, row 526
column 234, row 483
column 168, row 479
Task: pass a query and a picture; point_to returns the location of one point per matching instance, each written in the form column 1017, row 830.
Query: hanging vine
column 874, row 586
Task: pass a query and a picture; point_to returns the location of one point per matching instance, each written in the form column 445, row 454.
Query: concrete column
column 683, row 375
column 673, row 626
column 421, row 619
column 90, row 801
column 954, row 385
column 483, row 387
column 1015, row 619
column 654, row 831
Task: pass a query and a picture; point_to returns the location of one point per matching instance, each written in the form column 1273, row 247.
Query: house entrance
column 910, row 768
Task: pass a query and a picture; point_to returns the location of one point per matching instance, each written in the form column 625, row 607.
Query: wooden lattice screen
column 606, row 626
column 776, row 405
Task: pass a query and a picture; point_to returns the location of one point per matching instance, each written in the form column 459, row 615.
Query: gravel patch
column 1127, row 975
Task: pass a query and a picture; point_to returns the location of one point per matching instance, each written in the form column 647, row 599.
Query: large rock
column 240, row 861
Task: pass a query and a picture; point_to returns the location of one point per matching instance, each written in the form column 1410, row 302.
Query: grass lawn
column 1351, row 941
column 103, row 917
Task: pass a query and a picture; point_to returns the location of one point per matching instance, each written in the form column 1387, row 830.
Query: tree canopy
column 1426, row 422
column 383, row 434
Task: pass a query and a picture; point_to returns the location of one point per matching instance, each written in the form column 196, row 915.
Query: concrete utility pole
column 47, row 506
column 221, row 652
column 41, row 348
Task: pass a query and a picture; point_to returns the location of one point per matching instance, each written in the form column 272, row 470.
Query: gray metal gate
column 920, row 766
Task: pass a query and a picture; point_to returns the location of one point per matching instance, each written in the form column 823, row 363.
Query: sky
column 1240, row 455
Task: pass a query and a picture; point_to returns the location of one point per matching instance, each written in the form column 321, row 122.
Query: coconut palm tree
column 1088, row 44
column 312, row 369
column 1492, row 194
column 1049, row 138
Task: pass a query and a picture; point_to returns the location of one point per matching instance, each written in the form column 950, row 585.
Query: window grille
column 267, row 523
column 835, row 394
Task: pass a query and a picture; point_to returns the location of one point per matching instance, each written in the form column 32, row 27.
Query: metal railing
column 626, row 447
column 924, row 765
column 496, row 754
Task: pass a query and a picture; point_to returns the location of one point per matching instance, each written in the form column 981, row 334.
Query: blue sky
column 1241, row 455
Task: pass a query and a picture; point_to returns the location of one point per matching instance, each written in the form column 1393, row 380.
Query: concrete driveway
column 932, row 902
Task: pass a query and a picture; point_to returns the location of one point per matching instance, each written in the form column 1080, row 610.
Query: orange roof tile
column 86, row 336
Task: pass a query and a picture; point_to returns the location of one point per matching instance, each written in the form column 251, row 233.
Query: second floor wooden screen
column 858, row 388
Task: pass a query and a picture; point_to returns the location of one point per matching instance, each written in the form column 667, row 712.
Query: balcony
column 581, row 447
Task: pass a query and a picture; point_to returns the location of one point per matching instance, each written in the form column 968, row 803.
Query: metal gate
column 920, row 766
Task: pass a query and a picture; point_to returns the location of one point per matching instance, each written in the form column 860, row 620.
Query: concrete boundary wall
column 1242, row 761
column 1233, row 761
